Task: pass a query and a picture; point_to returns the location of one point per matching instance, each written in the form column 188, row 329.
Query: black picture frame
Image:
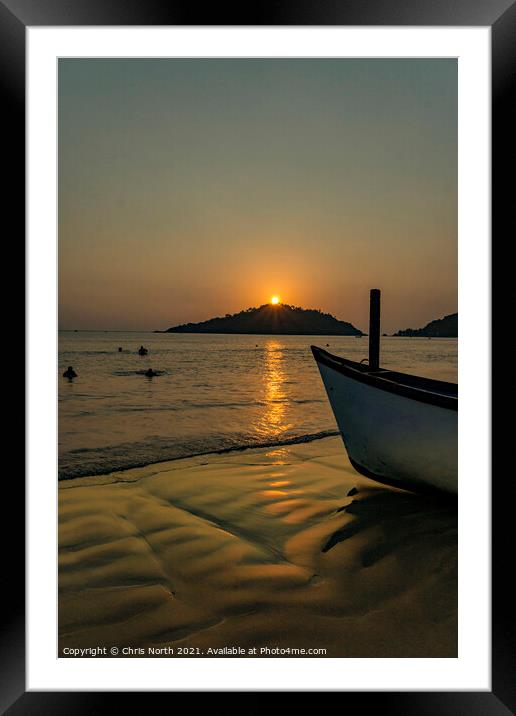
column 500, row 16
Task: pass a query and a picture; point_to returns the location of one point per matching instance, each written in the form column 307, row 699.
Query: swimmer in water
column 119, row 349
column 142, row 351
column 69, row 373
column 150, row 373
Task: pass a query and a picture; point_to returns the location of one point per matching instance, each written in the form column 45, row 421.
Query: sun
column 275, row 300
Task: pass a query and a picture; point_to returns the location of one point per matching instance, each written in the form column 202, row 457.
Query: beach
column 277, row 549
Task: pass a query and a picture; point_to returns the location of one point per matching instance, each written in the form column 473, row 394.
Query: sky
column 190, row 188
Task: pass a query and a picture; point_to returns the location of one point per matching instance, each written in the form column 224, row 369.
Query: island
column 446, row 327
column 271, row 319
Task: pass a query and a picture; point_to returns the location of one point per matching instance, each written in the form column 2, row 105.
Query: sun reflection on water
column 272, row 422
column 278, row 456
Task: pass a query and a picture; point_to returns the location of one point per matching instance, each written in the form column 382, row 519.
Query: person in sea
column 142, row 351
column 150, row 373
column 69, row 373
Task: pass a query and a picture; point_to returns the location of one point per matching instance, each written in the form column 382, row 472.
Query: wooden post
column 374, row 329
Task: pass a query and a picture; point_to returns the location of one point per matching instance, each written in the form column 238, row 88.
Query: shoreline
column 298, row 440
column 260, row 548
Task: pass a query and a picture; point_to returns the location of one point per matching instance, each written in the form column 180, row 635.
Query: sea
column 213, row 393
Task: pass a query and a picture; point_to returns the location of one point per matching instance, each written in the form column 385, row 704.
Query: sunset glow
column 246, row 176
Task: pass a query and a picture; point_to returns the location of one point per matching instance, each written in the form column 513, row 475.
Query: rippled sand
column 254, row 549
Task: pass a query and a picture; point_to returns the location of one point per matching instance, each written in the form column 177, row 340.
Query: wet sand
column 254, row 549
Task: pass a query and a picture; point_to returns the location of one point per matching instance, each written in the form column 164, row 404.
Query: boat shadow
column 404, row 520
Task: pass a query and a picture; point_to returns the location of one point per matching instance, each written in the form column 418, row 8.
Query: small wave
column 126, row 373
column 117, row 463
column 144, row 409
column 181, row 405
column 308, row 400
column 86, row 353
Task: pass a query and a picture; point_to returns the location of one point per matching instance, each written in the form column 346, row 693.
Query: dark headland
column 273, row 320
column 446, row 327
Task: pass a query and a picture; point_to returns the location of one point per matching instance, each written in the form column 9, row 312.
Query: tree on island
column 447, row 327
column 280, row 319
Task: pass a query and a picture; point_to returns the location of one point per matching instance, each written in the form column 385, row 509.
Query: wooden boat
column 398, row 429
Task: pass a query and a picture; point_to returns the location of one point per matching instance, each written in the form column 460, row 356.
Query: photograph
column 257, row 357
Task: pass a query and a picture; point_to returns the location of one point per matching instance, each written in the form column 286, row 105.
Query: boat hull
column 410, row 442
